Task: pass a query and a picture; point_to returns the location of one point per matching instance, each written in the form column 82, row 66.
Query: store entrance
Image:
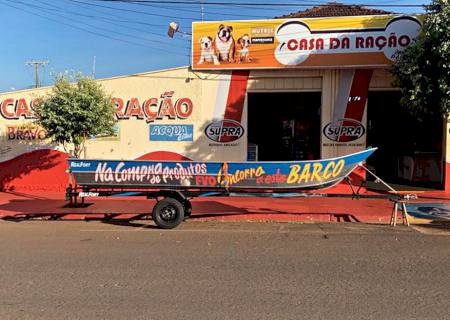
column 409, row 151
column 284, row 126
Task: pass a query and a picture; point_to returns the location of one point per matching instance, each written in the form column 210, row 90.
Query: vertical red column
column 236, row 95
column 357, row 97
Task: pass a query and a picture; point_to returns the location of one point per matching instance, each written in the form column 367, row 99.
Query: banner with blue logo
column 171, row 132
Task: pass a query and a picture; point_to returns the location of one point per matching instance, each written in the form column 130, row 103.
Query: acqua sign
column 344, row 130
column 224, row 131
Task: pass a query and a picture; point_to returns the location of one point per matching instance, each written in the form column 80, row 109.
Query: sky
column 124, row 38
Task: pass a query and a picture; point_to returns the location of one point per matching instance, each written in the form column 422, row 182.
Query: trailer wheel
column 168, row 213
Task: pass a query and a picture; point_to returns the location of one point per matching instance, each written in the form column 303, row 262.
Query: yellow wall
column 134, row 133
column 203, row 89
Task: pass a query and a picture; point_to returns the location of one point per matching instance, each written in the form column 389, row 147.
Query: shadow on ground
column 123, row 212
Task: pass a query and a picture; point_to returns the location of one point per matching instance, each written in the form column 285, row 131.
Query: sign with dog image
column 370, row 41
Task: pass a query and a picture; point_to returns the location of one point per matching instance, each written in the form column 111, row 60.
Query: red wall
column 36, row 170
column 45, row 170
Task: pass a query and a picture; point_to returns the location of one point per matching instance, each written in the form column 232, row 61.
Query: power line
column 272, row 9
column 81, row 4
column 133, row 11
column 205, row 11
column 39, row 8
column 254, row 4
column 110, row 21
column 87, row 30
column 88, row 5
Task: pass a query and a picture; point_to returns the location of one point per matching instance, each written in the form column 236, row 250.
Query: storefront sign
column 14, row 109
column 312, row 42
column 150, row 109
column 344, row 130
column 24, row 132
column 224, row 131
column 171, row 132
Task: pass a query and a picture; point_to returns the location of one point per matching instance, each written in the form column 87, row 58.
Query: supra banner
column 314, row 42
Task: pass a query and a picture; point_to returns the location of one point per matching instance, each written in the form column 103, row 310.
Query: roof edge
column 99, row 80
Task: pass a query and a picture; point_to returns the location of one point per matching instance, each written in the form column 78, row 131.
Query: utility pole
column 36, row 64
column 93, row 66
column 202, row 8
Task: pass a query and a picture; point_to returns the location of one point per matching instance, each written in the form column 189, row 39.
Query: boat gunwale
column 229, row 162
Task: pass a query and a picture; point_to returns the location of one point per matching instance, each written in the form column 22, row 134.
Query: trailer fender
column 178, row 195
column 171, row 194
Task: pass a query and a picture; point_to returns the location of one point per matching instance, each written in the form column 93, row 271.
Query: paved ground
column 223, row 208
column 218, row 270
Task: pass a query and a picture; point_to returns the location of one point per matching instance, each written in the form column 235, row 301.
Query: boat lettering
column 239, row 175
column 315, row 172
column 154, row 173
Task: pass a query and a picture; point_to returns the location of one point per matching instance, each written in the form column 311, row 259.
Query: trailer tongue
column 174, row 183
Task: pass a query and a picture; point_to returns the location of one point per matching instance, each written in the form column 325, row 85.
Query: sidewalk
column 22, row 205
column 236, row 208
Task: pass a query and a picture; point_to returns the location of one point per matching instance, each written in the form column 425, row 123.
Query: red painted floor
column 15, row 204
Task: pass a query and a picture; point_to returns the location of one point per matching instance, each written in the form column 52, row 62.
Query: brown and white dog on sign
column 243, row 51
column 224, row 45
column 207, row 51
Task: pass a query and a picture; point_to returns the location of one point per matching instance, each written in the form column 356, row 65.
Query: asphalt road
column 215, row 270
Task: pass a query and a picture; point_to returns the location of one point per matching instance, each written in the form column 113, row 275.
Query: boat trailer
column 173, row 203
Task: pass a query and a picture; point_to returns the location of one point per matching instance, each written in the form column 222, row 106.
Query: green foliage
column 74, row 111
column 422, row 71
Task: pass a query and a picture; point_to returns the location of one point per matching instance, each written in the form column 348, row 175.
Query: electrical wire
column 255, row 4
column 134, row 11
column 107, row 36
column 208, row 12
column 128, row 35
column 81, row 4
column 110, row 21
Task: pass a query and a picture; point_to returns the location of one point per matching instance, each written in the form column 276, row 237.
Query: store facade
column 308, row 103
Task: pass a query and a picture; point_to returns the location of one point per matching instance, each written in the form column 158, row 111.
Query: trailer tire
column 168, row 213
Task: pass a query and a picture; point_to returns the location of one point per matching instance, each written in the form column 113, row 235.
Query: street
column 222, row 270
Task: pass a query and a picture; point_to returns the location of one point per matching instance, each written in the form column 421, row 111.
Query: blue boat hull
column 314, row 174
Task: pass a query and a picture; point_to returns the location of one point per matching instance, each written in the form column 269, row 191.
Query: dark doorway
column 284, row 126
column 409, row 151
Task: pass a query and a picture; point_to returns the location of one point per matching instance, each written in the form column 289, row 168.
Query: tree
column 422, row 71
column 74, row 111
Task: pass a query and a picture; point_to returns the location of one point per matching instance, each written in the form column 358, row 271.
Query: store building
column 283, row 98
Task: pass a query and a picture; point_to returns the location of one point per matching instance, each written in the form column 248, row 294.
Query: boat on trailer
column 174, row 183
